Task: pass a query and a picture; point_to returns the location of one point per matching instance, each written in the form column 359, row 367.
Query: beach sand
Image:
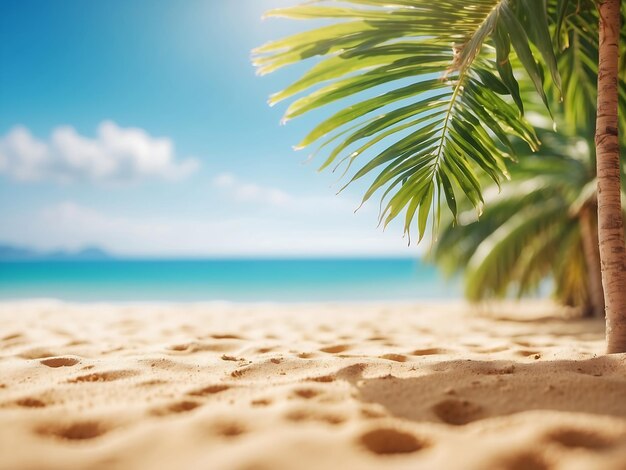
column 346, row 386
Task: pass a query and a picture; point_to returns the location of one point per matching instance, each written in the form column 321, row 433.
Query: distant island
column 19, row 253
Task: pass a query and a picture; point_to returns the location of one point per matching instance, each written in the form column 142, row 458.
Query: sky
column 140, row 126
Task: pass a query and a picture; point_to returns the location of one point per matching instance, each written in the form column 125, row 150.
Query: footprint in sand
column 176, row 408
column 261, row 402
column 457, row 412
column 30, row 402
column 306, row 355
column 229, row 430
column 523, row 461
column 78, row 431
column 55, row 362
column 580, row 438
column 109, row 376
column 322, row 379
column 336, row 349
column 306, row 393
column 388, row 441
column 429, row 352
column 226, row 336
column 395, row 357
column 209, row 390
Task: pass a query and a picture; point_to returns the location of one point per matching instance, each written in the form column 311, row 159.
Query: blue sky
column 140, row 126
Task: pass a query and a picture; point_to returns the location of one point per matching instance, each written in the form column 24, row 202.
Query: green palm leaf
column 575, row 32
column 427, row 97
column 530, row 230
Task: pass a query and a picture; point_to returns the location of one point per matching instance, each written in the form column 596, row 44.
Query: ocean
column 238, row 280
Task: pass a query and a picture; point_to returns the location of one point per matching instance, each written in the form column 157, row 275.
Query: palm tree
column 513, row 246
column 446, row 114
column 541, row 224
column 610, row 220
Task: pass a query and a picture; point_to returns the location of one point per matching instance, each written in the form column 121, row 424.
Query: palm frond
column 576, row 35
column 447, row 101
column 530, row 230
column 504, row 258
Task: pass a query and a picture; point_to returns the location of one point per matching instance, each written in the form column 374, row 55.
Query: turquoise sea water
column 230, row 280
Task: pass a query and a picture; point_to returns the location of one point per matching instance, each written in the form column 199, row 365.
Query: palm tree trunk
column 589, row 236
column 610, row 222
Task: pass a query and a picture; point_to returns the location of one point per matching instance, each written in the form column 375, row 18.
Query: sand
column 346, row 386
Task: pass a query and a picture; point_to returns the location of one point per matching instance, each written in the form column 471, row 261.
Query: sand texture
column 270, row 387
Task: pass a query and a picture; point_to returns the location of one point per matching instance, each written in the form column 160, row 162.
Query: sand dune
column 352, row 386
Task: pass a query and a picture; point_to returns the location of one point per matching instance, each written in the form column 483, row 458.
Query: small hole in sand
column 385, row 441
column 457, row 412
column 428, row 352
column 322, row 379
column 339, row 348
column 176, row 408
column 226, row 336
column 230, row 430
column 395, row 357
column 306, row 393
column 582, row 438
column 183, row 406
column 30, row 403
column 76, row 431
column 209, row 390
column 104, row 376
column 305, row 355
column 60, row 362
column 309, row 415
column 333, row 419
column 524, row 461
column 261, row 402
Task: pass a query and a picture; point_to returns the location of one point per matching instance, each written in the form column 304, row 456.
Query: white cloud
column 249, row 192
column 240, row 191
column 115, row 154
